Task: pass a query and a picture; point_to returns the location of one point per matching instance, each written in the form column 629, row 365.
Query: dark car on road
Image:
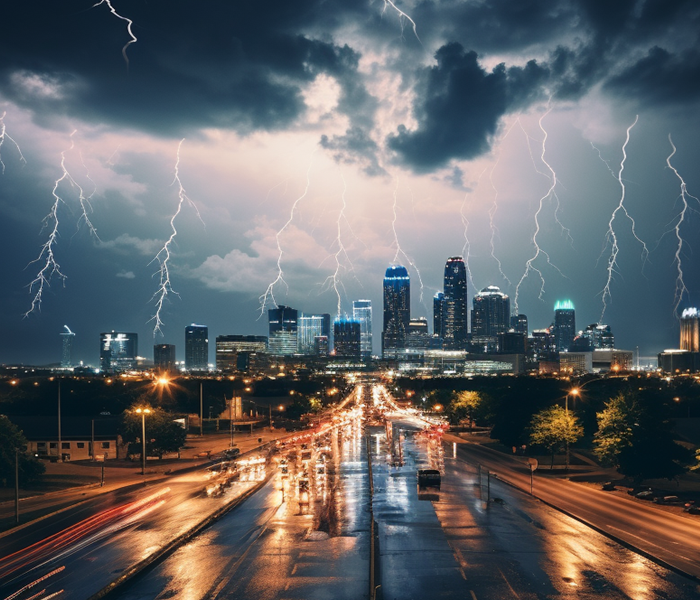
column 429, row 478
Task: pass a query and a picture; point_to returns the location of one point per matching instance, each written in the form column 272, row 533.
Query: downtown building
column 118, row 351
column 362, row 313
column 67, row 337
column 454, row 326
column 196, row 347
column 564, row 325
column 283, row 329
column 235, row 352
column 490, row 317
column 347, row 338
column 397, row 310
column 310, row 330
column 685, row 359
column 164, row 357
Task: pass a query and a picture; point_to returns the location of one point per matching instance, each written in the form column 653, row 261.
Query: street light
column 572, row 392
column 143, row 412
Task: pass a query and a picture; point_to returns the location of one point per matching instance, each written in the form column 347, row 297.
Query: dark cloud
column 660, row 78
column 459, row 105
column 240, row 66
column 355, row 146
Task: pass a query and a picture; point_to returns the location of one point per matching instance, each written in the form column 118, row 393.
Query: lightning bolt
column 530, row 264
column 681, row 289
column 46, row 254
column 3, row 136
column 611, row 236
column 402, row 18
column 399, row 250
column 492, row 213
column 466, row 249
column 269, row 292
column 334, row 279
column 163, row 257
column 129, row 23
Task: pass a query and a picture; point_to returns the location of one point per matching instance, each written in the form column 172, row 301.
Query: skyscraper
column 518, row 323
column 196, row 347
column 564, row 324
column 455, row 305
column 308, row 328
column 283, row 324
column 164, row 357
column 599, row 336
column 490, row 316
column 397, row 309
column 230, row 347
column 347, row 336
column 67, row 347
column 362, row 313
column 690, row 330
column 118, row 351
column 438, row 314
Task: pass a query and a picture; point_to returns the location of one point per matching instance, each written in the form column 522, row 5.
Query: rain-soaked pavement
column 454, row 543
column 305, row 535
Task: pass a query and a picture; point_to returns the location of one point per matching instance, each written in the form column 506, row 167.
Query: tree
column 163, row 434
column 11, row 438
column 615, row 428
column 463, row 406
column 552, row 428
column 635, row 434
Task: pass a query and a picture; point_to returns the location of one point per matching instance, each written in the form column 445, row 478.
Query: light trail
column 129, row 24
column 611, row 236
column 269, row 292
column 399, row 250
column 163, row 257
column 46, row 254
column 681, row 288
column 35, row 583
column 530, row 264
column 3, row 136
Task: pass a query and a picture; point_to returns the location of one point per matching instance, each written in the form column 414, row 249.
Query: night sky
column 365, row 141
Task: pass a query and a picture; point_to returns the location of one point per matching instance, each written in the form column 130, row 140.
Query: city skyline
column 332, row 142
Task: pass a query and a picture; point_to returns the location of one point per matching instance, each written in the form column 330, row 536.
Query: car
column 232, row 452
column 666, row 500
column 609, row 486
column 645, row 495
column 428, row 478
column 692, row 509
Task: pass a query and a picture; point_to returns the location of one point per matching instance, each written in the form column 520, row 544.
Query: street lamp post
column 573, row 392
column 60, row 445
column 17, row 486
column 201, row 412
column 143, row 412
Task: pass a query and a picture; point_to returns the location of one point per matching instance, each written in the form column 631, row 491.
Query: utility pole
column 201, row 413
column 16, row 485
column 92, row 446
column 270, row 416
column 230, row 420
column 60, row 445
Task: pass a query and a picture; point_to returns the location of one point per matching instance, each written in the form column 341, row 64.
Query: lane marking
column 294, row 570
column 510, row 587
column 473, row 594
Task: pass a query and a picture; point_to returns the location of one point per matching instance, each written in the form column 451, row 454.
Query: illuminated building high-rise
column 490, row 316
column 230, row 347
column 690, row 330
column 599, row 336
column 564, row 324
column 164, row 357
column 397, row 309
column 454, row 323
column 66, row 347
column 196, row 347
column 309, row 327
column 118, row 351
column 347, row 338
column 438, row 314
column 283, row 323
column 518, row 323
column 362, row 313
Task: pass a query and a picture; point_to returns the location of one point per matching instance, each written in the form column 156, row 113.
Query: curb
column 171, row 546
column 655, row 559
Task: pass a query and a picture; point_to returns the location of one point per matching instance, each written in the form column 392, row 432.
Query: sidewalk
column 81, row 480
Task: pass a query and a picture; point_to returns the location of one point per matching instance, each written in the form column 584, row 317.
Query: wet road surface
column 454, row 543
column 312, row 541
